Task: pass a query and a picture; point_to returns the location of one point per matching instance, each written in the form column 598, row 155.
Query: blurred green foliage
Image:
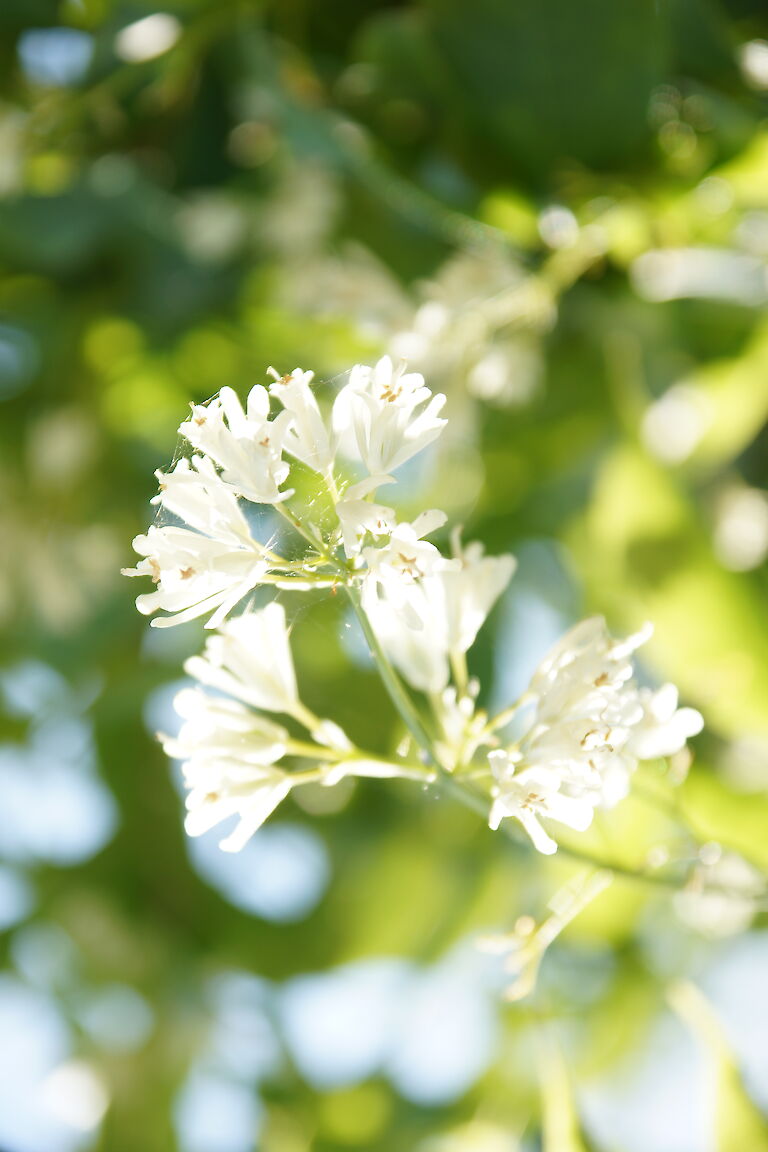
column 559, row 212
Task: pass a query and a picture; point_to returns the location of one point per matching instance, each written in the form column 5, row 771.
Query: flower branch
column 582, row 725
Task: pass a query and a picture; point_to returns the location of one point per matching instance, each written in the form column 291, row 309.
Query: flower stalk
column 389, row 678
column 584, row 723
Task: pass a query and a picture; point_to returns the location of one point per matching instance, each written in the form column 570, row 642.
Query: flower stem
column 397, row 693
column 307, row 776
column 503, row 718
column 299, row 579
column 467, row 796
column 309, row 751
column 330, row 480
column 297, row 526
column 459, row 669
column 306, row 717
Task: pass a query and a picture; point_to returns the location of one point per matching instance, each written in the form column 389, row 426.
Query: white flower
column 473, row 297
column 531, row 794
column 331, row 735
column 471, row 590
column 406, row 556
column 425, row 608
column 252, row 794
column 229, row 755
column 217, row 727
column 359, row 517
column 306, row 437
column 585, row 670
column 250, row 658
column 411, row 629
column 194, row 575
column 589, row 755
column 664, row 728
column 586, row 698
column 247, row 446
column 195, row 493
column 412, row 632
column 590, row 723
column 388, row 413
column 202, row 571
column 230, row 758
column 586, row 704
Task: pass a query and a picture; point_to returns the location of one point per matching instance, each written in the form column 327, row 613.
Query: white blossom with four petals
column 533, row 793
column 425, row 608
column 385, row 415
column 664, row 728
column 472, row 588
column 246, row 445
column 410, row 629
column 360, row 518
column 306, row 437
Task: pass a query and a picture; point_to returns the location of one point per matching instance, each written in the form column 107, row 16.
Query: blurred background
column 558, row 212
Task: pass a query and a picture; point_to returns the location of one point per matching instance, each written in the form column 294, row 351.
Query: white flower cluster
column 231, row 752
column 383, row 417
column 589, row 727
column 420, row 610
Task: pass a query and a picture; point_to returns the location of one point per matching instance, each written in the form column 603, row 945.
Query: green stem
column 305, row 716
column 330, row 481
column 287, row 579
column 459, row 669
column 480, row 773
column 503, row 718
column 391, row 681
column 297, row 526
column 275, row 560
column 315, row 752
column 307, row 776
column 474, row 800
